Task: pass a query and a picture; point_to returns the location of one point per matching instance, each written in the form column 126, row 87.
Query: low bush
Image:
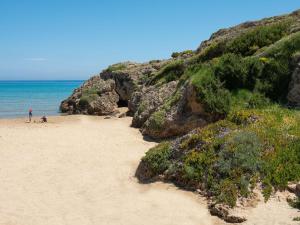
column 116, row 67
column 156, row 120
column 232, row 70
column 210, row 91
column 197, row 165
column 245, row 99
column 172, row 71
column 228, row 192
column 274, row 80
column 284, row 165
column 214, row 50
column 157, row 158
column 240, row 117
column 249, row 42
column 240, row 155
column 178, row 54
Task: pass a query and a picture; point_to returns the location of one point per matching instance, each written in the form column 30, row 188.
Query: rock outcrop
column 104, row 93
column 180, row 115
column 231, row 78
column 294, row 92
column 94, row 97
column 161, row 104
column 147, row 100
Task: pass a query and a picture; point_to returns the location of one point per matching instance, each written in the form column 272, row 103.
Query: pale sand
column 80, row 170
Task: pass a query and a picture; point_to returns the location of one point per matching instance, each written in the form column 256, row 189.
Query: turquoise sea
column 44, row 97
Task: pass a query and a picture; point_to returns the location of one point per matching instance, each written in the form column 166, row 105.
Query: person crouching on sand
column 44, row 119
column 30, row 114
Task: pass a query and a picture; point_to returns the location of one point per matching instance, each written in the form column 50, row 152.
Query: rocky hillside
column 231, row 104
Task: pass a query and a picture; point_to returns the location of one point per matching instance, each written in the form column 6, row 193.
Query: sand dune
column 80, row 170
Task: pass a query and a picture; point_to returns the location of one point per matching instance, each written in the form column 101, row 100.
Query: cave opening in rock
column 122, row 103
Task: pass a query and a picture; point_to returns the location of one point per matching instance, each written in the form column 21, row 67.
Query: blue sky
column 74, row 39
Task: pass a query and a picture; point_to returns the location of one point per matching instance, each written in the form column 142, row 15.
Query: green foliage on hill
column 244, row 79
column 234, row 156
column 249, row 42
column 210, row 91
column 170, row 72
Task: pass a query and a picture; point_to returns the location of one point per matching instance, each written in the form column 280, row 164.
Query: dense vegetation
column 228, row 158
column 257, row 141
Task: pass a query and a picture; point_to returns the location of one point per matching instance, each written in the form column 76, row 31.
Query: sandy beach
column 80, row 170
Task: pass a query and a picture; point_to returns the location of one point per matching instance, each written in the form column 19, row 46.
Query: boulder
column 182, row 115
column 146, row 101
column 94, row 97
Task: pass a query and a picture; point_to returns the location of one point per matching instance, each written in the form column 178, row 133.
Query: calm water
column 44, row 97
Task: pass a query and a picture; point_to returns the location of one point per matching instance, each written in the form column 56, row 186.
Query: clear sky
column 74, row 39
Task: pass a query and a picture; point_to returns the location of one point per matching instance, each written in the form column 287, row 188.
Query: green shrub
column 178, row 54
column 156, row 120
column 232, row 70
column 116, row 67
column 90, row 91
column 267, row 189
column 249, row 42
column 214, row 50
column 284, row 48
column 228, row 192
column 245, row 99
column 142, row 107
column 275, row 79
column 170, row 72
column 157, row 158
column 240, row 155
column 175, row 54
column 240, row 117
column 197, row 165
column 284, row 165
column 211, row 92
column 258, row 100
column 254, row 67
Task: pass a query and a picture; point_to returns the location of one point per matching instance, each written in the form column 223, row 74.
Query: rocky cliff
column 160, row 94
column 231, row 104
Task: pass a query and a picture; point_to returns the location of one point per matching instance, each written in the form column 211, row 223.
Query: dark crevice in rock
column 122, row 103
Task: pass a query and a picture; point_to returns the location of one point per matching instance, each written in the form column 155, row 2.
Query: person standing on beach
column 30, row 114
